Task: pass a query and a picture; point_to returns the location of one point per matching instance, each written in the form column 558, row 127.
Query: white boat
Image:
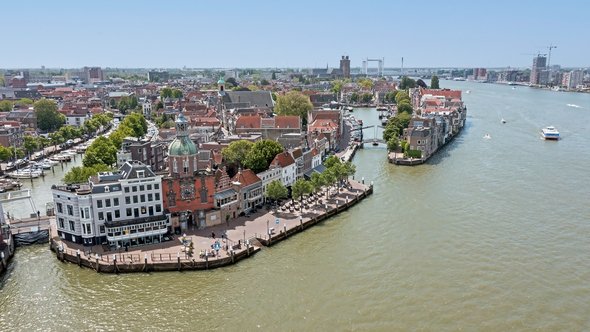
column 550, row 133
column 468, row 91
column 503, row 121
column 487, row 136
column 50, row 162
column 26, row 173
column 349, row 108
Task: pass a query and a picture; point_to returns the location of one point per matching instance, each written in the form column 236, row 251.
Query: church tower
column 182, row 153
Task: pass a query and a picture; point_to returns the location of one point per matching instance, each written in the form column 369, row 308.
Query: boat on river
column 550, row 133
column 26, row 173
column 503, row 121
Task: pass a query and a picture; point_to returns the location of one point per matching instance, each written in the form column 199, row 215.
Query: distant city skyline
column 302, row 34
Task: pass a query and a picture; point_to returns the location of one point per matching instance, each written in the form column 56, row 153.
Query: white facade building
column 120, row 209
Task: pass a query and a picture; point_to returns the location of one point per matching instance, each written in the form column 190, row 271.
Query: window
column 157, row 186
column 61, row 223
column 99, row 203
column 116, row 201
column 102, row 229
column 129, row 213
column 100, row 216
column 151, row 210
column 60, row 208
column 126, row 189
column 150, row 197
column 142, row 198
column 158, row 208
column 157, row 196
column 149, row 187
column 127, row 200
column 72, row 225
column 109, row 216
column 134, row 199
column 117, row 214
column 107, row 202
column 86, row 229
column 134, row 188
column 141, row 188
column 70, row 210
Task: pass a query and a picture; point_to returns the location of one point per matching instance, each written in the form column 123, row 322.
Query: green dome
column 182, row 146
column 221, row 81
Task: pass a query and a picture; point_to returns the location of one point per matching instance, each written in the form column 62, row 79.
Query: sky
column 281, row 33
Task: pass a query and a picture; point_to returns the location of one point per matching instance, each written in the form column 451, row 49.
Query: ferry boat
column 550, row 133
column 503, row 121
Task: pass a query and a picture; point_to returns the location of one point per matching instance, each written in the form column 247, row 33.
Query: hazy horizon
column 303, row 34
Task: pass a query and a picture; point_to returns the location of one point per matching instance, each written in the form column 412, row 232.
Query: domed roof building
column 182, row 152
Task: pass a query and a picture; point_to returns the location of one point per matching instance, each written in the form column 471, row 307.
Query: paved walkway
column 238, row 230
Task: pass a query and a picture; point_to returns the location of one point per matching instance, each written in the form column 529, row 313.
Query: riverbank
column 241, row 238
column 7, row 249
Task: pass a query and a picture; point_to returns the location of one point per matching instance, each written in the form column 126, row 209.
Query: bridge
column 375, row 140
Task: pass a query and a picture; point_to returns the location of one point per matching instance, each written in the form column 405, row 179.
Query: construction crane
column 550, row 47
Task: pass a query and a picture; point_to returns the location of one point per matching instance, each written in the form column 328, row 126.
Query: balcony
column 135, row 221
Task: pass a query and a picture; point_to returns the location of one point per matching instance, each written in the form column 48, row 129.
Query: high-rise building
column 537, row 72
column 345, row 66
column 572, row 79
column 92, row 74
column 158, row 76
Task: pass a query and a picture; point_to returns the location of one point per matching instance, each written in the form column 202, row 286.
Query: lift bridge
column 15, row 195
column 375, row 140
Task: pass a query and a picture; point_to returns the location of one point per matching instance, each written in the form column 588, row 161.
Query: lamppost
column 267, row 229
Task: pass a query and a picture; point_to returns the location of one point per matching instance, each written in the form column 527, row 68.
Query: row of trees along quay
column 50, row 121
column 395, row 125
column 335, row 174
column 101, row 155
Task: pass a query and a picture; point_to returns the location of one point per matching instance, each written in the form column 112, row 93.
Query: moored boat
column 550, row 133
column 26, row 173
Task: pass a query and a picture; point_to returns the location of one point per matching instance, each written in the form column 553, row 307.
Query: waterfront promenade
column 242, row 238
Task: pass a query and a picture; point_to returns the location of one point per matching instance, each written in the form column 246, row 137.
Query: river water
column 491, row 234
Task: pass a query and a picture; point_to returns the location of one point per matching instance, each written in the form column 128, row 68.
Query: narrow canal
column 491, row 234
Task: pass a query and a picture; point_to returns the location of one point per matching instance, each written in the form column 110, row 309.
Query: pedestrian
column 8, row 215
column 38, row 214
column 213, row 234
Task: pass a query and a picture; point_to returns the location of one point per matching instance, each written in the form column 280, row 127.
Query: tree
column 300, row 188
column 276, row 190
column 317, row 181
column 30, row 144
column 421, row 84
column 56, row 138
column 366, row 97
column 119, row 135
column 354, row 97
column 137, row 123
column 404, row 108
column 337, row 87
column 25, row 101
column 392, row 143
column 231, row 81
column 166, row 93
column 80, row 174
column 434, row 82
column 43, row 142
column 407, row 83
column 261, row 155
column 5, row 153
column 48, row 118
column 390, row 96
column 237, row 151
column 294, row 103
column 400, row 96
column 264, row 81
column 366, row 83
column 331, row 161
column 176, row 93
column 101, row 151
column 5, row 106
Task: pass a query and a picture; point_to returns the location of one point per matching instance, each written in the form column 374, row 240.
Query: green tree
column 390, row 96
column 366, row 98
column 232, row 82
column 434, row 82
column 166, row 93
column 264, row 82
column 25, row 101
column 366, row 83
column 354, row 97
column 19, row 153
column 401, row 96
column 337, row 87
column 261, row 155
column 176, row 93
column 317, row 181
column 276, row 191
column 392, row 143
column 113, row 103
column 43, row 142
column 294, row 103
column 404, row 108
column 119, row 135
column 237, row 151
column 80, row 174
column 30, row 144
column 5, row 106
column 56, row 138
column 301, row 187
column 101, row 151
column 407, row 83
column 5, row 153
column 48, row 118
column 331, row 161
column 137, row 123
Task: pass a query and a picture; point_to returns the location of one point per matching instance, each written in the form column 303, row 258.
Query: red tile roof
column 283, row 159
column 246, row 177
column 251, row 121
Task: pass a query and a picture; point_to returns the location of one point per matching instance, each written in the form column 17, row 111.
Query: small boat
column 26, row 173
column 350, row 108
column 513, row 88
column 487, row 136
column 375, row 143
column 550, row 133
column 503, row 121
column 468, row 91
column 50, row 162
